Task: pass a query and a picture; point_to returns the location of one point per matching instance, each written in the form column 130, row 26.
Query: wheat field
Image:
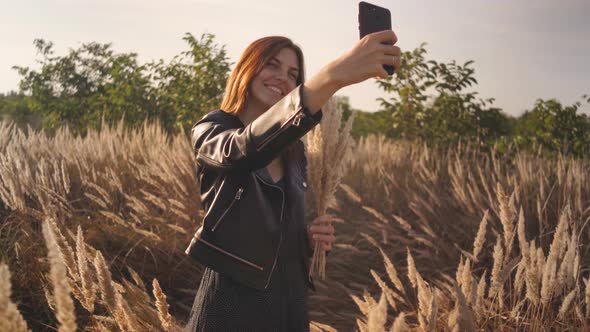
column 93, row 232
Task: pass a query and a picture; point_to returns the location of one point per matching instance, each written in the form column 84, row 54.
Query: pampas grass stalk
column 328, row 149
column 507, row 219
column 461, row 318
column 88, row 286
column 10, row 317
column 480, row 296
column 61, row 291
column 378, row 315
column 481, row 236
column 566, row 303
column 389, row 268
column 412, row 271
column 162, row 305
column 399, row 324
column 495, row 285
column 105, row 283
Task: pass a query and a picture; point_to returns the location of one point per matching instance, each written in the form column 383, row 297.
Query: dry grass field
column 93, row 232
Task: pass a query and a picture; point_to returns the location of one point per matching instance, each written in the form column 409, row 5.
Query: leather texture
column 240, row 233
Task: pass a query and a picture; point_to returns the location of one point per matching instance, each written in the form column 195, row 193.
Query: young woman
column 252, row 170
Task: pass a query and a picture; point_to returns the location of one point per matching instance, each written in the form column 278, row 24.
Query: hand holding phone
column 372, row 19
column 375, row 55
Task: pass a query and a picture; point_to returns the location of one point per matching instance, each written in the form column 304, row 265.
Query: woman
column 252, row 171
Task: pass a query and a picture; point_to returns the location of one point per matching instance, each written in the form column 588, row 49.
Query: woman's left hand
column 321, row 229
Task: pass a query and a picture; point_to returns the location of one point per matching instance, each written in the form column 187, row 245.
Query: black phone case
column 373, row 18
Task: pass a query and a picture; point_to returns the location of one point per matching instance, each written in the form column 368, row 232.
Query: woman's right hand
column 366, row 59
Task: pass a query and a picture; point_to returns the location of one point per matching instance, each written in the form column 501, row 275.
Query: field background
column 452, row 215
column 135, row 197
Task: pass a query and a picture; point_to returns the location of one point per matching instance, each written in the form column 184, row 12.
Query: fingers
column 385, row 36
column 327, row 229
column 323, row 219
column 322, row 230
column 324, row 238
column 389, row 49
column 322, row 224
column 381, row 72
column 325, row 241
column 394, row 60
column 325, row 246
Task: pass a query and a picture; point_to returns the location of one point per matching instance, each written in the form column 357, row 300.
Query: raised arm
column 224, row 148
column 257, row 144
column 363, row 61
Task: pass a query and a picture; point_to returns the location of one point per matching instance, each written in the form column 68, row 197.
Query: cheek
column 257, row 85
column 264, row 74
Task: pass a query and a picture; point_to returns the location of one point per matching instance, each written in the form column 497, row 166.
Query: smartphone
column 373, row 18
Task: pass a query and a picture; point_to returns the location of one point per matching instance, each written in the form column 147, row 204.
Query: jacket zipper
column 232, row 255
column 236, row 198
column 296, row 118
column 280, row 233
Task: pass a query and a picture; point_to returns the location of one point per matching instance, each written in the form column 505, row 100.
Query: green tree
column 86, row 84
column 193, row 83
column 447, row 116
column 364, row 122
column 94, row 83
column 14, row 107
column 555, row 127
column 409, row 84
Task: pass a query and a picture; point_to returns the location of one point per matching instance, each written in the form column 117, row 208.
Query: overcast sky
column 523, row 50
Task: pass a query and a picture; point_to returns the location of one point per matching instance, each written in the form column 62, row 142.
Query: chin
column 268, row 103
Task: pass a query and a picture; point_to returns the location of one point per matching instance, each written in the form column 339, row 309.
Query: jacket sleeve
column 257, row 144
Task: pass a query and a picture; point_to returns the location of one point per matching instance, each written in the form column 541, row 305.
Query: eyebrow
column 279, row 61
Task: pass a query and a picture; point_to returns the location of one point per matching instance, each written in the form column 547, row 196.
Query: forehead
column 288, row 57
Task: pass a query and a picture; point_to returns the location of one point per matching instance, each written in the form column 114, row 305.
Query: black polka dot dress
column 223, row 304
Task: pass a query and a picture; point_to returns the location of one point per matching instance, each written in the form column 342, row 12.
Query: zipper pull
column 297, row 119
column 239, row 193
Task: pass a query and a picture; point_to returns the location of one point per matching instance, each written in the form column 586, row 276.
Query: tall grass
column 135, row 206
column 451, row 239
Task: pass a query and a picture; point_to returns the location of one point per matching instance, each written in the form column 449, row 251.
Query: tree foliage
column 555, row 128
column 14, row 106
column 365, row 122
column 448, row 115
column 425, row 100
column 93, row 83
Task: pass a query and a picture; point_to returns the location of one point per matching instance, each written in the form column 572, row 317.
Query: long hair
column 251, row 62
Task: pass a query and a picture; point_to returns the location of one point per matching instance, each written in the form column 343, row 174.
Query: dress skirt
column 223, row 304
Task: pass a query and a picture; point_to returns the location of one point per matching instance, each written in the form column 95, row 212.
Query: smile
column 275, row 89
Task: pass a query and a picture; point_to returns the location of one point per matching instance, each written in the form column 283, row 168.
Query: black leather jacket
column 240, row 235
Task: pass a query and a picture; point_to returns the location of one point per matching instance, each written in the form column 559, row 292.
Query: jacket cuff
column 317, row 117
column 286, row 121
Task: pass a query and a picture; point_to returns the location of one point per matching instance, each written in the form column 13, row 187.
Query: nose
column 283, row 77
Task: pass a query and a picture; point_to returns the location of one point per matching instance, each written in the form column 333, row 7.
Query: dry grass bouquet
column 328, row 147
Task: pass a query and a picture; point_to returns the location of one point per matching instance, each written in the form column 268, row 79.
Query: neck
column 251, row 112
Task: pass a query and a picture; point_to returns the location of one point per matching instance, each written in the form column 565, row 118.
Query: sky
column 522, row 50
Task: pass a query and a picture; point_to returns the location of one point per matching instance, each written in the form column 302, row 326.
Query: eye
column 294, row 77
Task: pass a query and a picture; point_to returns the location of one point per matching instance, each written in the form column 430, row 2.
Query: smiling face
column 277, row 78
